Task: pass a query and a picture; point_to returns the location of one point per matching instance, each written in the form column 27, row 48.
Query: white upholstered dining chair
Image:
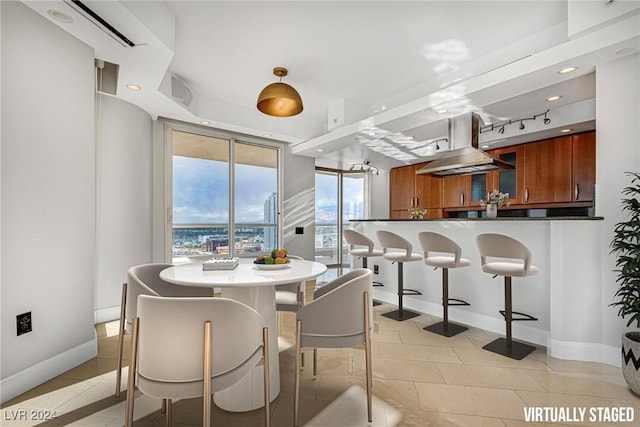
column 189, row 347
column 340, row 316
column 290, row 296
column 145, row 279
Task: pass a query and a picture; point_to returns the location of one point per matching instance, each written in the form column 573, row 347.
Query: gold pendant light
column 279, row 99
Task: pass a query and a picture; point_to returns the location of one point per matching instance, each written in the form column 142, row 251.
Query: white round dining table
column 254, row 287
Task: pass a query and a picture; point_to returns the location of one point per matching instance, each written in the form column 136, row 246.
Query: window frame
column 169, row 126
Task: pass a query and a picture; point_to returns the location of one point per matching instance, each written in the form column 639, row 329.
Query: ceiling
column 360, row 66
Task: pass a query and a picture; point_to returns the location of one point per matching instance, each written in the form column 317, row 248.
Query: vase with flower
column 495, row 200
column 415, row 213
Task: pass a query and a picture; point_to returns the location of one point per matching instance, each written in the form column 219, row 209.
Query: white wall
column 124, row 198
column 379, row 195
column 48, row 199
column 298, row 204
column 617, row 151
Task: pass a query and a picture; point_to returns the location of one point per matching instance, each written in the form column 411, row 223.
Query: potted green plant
column 626, row 246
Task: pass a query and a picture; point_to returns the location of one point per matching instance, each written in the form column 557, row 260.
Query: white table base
column 247, row 394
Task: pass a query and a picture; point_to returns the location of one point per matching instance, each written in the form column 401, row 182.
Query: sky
column 200, row 193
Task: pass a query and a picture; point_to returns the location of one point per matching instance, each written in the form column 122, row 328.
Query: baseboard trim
column 585, row 351
column 568, row 350
column 20, row 382
column 106, row 314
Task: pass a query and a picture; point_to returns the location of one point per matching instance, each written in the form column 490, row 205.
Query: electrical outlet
column 23, row 323
column 375, row 269
column 299, row 230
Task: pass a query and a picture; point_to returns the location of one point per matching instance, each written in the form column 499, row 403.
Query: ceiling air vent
column 99, row 22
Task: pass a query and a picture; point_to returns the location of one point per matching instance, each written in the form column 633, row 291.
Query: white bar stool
column 501, row 246
column 434, row 242
column 355, row 238
column 390, row 240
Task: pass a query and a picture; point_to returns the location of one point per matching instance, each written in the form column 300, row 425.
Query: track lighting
column 364, row 167
column 500, row 126
column 436, row 142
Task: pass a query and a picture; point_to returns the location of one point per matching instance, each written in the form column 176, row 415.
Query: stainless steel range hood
column 464, row 157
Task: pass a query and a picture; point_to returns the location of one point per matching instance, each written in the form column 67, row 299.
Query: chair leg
column 206, row 370
column 296, row 391
column 367, row 351
column 128, row 422
column 121, row 332
column 265, row 368
column 315, row 362
column 168, row 415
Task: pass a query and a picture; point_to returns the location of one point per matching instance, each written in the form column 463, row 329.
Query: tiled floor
column 420, row 379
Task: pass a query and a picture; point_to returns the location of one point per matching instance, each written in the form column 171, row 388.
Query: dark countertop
column 555, row 218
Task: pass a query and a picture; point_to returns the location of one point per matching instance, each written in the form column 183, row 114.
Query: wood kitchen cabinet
column 547, row 171
column 583, row 179
column 455, row 191
column 402, row 186
column 465, row 190
column 560, row 169
column 409, row 190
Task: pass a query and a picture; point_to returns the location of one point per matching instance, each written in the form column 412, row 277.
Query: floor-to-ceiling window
column 224, row 195
column 340, row 197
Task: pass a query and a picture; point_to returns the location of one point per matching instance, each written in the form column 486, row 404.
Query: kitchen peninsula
column 563, row 296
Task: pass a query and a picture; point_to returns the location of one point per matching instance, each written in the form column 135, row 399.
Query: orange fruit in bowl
column 280, row 253
column 281, row 260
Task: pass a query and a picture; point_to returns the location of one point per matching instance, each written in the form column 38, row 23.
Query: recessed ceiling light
column 266, row 135
column 320, row 150
column 444, row 110
column 485, row 146
column 134, row 88
column 554, row 98
column 567, row 70
column 205, row 122
column 59, row 16
column 566, row 130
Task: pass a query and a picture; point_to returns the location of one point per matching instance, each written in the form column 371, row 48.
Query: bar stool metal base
column 375, row 284
column 516, row 350
column 401, row 315
column 445, row 329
